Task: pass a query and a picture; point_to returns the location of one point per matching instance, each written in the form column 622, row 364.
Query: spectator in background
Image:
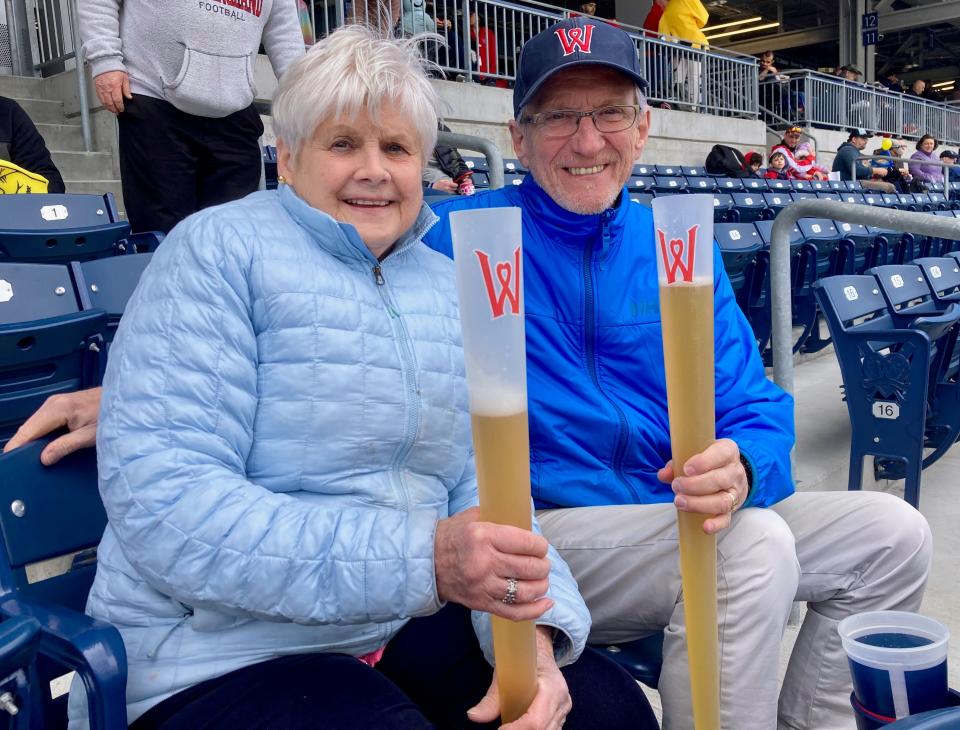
column 416, row 19
column 917, row 88
column 652, row 22
column 180, row 81
column 923, row 163
column 588, row 8
column 446, row 171
column 865, row 172
column 777, row 167
column 892, row 81
column 483, row 43
column 889, row 155
column 754, row 162
column 950, row 157
column 685, row 20
column 801, row 161
column 21, row 144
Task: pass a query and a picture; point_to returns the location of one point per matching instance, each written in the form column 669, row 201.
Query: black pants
column 431, row 673
column 173, row 164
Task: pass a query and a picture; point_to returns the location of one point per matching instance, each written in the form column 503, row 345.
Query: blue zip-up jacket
column 284, row 421
column 595, row 377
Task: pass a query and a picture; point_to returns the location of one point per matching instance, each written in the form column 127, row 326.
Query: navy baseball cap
column 576, row 41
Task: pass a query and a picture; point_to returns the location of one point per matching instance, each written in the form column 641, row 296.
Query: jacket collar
column 573, row 229
column 341, row 239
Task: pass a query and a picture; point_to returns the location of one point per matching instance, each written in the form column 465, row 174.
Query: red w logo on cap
column 576, row 39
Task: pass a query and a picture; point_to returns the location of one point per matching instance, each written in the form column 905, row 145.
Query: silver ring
column 510, row 597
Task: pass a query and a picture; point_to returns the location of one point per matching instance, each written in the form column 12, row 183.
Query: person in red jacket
column 483, row 43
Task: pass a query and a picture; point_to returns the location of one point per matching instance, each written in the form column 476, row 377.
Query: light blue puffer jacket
column 278, row 437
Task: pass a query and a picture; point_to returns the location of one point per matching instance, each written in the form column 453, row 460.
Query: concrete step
column 62, row 137
column 42, row 111
column 84, row 165
column 21, row 87
column 98, row 187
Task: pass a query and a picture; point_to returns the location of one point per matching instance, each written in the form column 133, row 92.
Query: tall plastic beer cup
column 489, row 256
column 684, row 247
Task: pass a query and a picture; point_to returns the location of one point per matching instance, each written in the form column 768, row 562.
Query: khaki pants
column 878, row 185
column 841, row 552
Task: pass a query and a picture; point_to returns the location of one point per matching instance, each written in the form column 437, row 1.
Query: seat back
column 849, row 301
column 828, row 195
column 668, row 170
column 642, row 198
column 669, row 183
column 693, row 171
column 801, row 185
column 729, row 184
column 45, row 357
column 755, row 184
column 644, row 170
column 803, row 195
column 903, row 286
column 60, row 227
column 701, row 184
column 765, row 229
column 641, row 184
column 35, row 291
column 108, row 284
column 942, row 275
column 778, row 184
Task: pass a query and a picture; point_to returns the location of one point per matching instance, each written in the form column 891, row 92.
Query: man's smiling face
column 585, row 171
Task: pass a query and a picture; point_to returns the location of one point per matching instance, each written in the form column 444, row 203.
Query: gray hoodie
column 198, row 55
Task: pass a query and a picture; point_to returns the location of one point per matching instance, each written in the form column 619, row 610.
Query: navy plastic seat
column 693, row 171
column 861, row 250
column 820, row 185
column 889, row 367
column 640, row 184
column 803, row 263
column 828, row 195
column 853, row 186
column 108, row 284
column 937, row 200
column 776, row 184
column 776, row 200
column 642, row 198
column 823, row 235
column 44, row 357
column 800, row 185
column 849, row 197
column 803, row 195
column 924, row 202
column 947, row 718
column 513, row 178
column 729, row 184
column 943, row 277
column 701, row 184
column 667, row 184
column 755, row 185
column 60, row 227
column 642, row 658
column 58, row 514
column 477, row 164
column 511, row 165
column 837, row 185
column 723, row 209
column 898, row 246
column 936, row 187
column 667, row 170
column 747, row 266
column 870, row 198
column 644, row 170
column 35, row 291
column 750, row 206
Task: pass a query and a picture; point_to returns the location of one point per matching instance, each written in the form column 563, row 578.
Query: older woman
column 924, row 165
column 285, row 451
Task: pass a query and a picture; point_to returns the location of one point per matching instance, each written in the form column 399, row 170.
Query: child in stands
column 777, row 167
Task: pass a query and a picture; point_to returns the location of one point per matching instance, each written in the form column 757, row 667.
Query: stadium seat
column 850, row 197
column 946, row 718
column 853, row 186
column 668, row 184
column 270, row 167
column 801, row 185
column 776, row 201
column 829, row 195
column 936, row 187
column 644, row 170
column 642, row 198
column 642, row 659
column 667, row 170
column 886, row 368
column 779, row 185
column 943, row 277
column 723, row 209
column 40, row 358
column 739, row 244
column 803, row 262
column 693, row 171
column 729, row 184
column 898, row 247
column 477, row 164
column 860, row 249
column 837, row 185
column 875, row 199
column 701, row 184
column 55, row 512
column 60, row 227
column 642, row 184
column 431, row 196
column 938, row 201
column 924, row 202
column 820, row 185
column 34, row 292
column 749, row 206
column 513, row 178
column 108, row 284
column 803, row 195
column 513, row 166
column 822, row 234
column 755, row 185
column 747, row 266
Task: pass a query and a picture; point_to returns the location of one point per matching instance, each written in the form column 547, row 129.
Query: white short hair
column 352, row 71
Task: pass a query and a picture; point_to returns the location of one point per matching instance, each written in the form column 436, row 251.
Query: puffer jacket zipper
column 590, row 351
column 410, row 385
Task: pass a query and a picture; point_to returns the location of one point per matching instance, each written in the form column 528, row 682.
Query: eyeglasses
column 566, row 122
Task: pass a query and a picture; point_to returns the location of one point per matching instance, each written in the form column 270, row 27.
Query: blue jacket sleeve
column 177, row 423
column 751, row 410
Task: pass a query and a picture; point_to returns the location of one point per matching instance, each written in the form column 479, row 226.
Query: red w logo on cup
column 678, row 255
column 577, row 39
column 508, row 274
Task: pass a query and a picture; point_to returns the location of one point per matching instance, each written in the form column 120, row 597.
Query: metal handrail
column 81, row 79
column 478, row 144
column 906, row 160
column 780, row 294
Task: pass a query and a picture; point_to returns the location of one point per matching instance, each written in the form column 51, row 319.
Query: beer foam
column 497, row 401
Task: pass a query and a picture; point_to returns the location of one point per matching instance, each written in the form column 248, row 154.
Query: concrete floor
column 822, row 461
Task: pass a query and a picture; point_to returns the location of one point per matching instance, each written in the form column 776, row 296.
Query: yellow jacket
column 684, row 19
column 14, row 179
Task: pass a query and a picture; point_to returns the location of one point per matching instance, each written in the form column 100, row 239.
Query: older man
column 599, row 434
column 846, row 163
